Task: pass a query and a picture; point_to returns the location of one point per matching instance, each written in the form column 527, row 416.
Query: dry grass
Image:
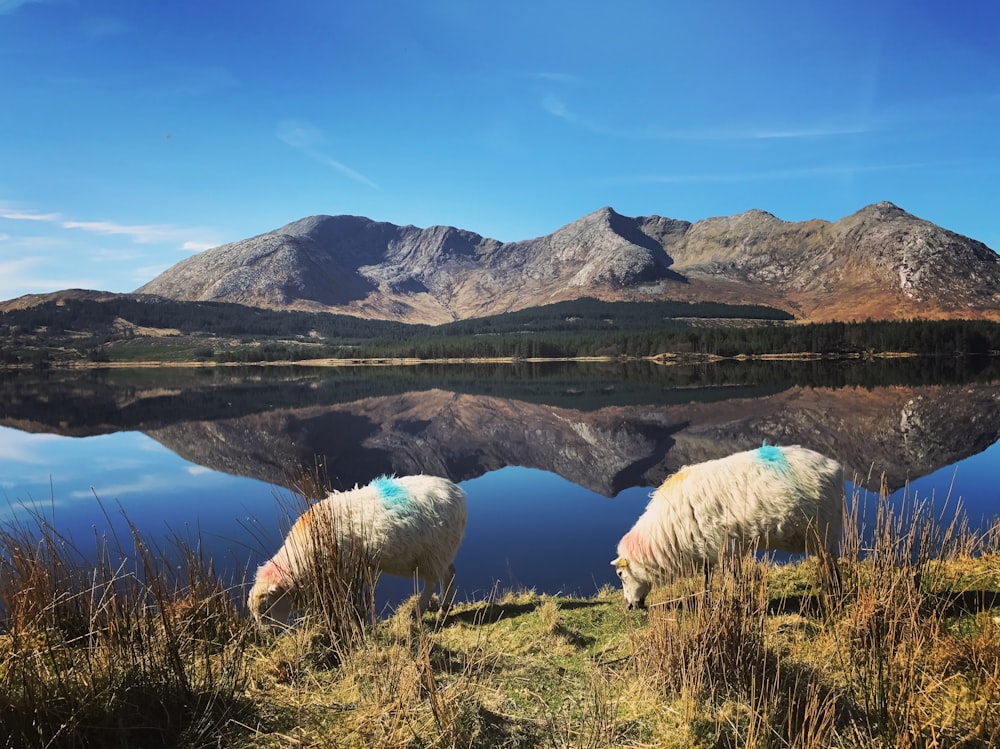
column 131, row 652
column 907, row 657
column 121, row 651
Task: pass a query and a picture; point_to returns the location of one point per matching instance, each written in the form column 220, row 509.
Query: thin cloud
column 190, row 246
column 143, row 485
column 557, row 108
column 14, row 214
column 816, row 132
column 309, row 139
column 834, row 170
column 141, row 233
column 750, row 133
column 13, row 267
column 18, row 275
column 300, row 134
column 138, row 233
column 343, row 169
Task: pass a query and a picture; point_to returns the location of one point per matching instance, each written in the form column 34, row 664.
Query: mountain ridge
column 879, row 262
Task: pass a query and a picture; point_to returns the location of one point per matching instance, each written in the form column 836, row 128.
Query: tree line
column 584, row 327
column 840, row 339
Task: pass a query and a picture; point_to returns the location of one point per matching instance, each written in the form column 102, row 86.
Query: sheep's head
column 635, row 589
column 272, row 596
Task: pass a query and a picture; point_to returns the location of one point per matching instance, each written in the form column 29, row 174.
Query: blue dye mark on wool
column 773, row 456
column 391, row 492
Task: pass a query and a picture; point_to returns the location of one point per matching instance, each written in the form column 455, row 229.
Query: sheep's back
column 422, row 526
column 740, row 500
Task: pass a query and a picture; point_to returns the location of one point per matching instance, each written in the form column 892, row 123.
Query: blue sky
column 133, row 134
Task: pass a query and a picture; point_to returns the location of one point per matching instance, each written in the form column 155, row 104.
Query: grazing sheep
column 781, row 498
column 407, row 525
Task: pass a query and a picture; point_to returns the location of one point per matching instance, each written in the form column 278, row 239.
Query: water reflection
column 603, row 428
column 538, row 449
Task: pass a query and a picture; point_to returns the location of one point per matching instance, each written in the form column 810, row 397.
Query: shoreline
column 665, row 359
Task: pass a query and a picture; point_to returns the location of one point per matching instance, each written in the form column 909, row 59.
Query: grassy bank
column 137, row 652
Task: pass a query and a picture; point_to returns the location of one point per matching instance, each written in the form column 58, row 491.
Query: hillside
column 880, row 262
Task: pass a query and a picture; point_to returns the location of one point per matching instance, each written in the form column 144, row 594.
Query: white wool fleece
column 408, row 525
column 780, row 498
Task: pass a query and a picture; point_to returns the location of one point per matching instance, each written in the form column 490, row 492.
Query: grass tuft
column 115, row 647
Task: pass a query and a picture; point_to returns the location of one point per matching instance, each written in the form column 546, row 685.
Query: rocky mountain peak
column 883, row 210
column 756, row 216
column 879, row 262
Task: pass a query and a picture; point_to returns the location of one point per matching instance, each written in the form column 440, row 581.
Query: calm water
column 557, row 460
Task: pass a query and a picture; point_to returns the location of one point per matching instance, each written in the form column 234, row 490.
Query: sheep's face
column 270, row 604
column 635, row 589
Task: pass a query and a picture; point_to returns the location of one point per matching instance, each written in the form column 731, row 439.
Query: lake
column 557, row 459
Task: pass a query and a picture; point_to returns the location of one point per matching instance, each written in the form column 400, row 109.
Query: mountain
column 880, row 262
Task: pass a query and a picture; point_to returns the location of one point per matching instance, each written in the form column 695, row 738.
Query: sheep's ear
column 619, row 563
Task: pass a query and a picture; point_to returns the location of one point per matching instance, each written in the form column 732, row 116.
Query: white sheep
column 781, row 498
column 408, row 525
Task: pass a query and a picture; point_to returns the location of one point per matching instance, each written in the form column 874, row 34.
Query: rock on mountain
column 880, row 262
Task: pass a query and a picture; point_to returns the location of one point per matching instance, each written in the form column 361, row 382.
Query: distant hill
column 880, row 262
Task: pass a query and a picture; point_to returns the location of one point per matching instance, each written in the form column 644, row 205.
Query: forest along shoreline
column 666, row 359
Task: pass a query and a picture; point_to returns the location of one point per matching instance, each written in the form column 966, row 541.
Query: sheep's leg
column 425, row 595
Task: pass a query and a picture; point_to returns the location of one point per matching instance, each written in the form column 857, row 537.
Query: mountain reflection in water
column 538, row 448
column 606, row 428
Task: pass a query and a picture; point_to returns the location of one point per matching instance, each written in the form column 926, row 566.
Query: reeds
column 117, row 647
column 903, row 623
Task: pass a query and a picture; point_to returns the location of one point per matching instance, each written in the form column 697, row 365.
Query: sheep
column 407, row 525
column 780, row 498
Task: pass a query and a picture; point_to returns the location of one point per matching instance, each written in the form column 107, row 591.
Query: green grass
column 136, row 652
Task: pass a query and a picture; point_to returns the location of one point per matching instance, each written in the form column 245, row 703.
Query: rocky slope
column 880, row 262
